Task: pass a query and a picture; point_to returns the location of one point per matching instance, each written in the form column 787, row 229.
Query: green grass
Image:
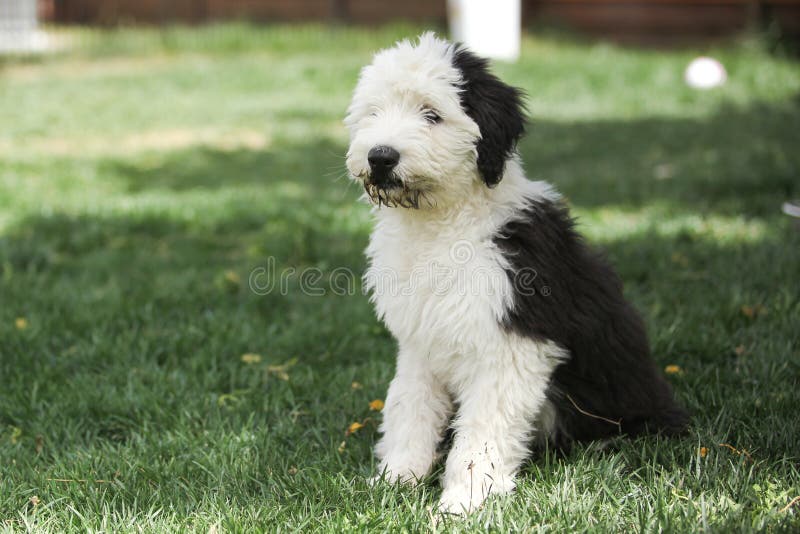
column 144, row 175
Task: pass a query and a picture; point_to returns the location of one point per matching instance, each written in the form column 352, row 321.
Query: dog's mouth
column 383, row 180
column 393, row 193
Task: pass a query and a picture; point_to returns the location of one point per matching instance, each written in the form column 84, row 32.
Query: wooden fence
column 641, row 21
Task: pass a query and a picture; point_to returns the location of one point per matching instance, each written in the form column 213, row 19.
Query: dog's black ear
column 495, row 107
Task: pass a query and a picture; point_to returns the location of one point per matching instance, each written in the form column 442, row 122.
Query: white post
column 19, row 26
column 490, row 28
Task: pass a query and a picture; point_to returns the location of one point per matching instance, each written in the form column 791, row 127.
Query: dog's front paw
column 464, row 493
column 459, row 501
column 390, row 475
column 388, row 478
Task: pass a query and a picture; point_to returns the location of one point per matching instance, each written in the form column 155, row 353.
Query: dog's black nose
column 383, row 159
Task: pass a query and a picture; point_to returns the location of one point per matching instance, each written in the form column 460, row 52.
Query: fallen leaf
column 376, row 405
column 341, row 447
column 751, row 312
column 356, row 385
column 34, row 500
column 279, row 374
column 353, row 428
column 703, row 451
column 280, row 371
column 228, row 281
column 673, row 370
column 251, row 358
column 680, row 259
column 232, row 277
column 295, row 414
column 226, row 399
column 21, row 323
column 739, row 350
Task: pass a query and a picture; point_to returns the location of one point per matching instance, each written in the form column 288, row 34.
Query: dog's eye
column 431, row 116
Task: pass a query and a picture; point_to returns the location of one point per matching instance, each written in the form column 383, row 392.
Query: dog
column 511, row 330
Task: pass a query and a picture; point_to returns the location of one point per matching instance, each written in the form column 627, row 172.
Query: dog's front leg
column 415, row 414
column 498, row 404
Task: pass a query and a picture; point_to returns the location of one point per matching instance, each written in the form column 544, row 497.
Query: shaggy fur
column 496, row 109
column 577, row 302
column 508, row 326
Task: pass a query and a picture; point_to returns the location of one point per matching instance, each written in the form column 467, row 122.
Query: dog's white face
column 427, row 122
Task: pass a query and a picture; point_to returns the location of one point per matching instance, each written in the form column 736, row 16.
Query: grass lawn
column 145, row 175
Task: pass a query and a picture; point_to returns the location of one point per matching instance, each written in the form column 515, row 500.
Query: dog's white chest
column 447, row 289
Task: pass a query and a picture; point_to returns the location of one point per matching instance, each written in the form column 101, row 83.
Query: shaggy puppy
column 507, row 323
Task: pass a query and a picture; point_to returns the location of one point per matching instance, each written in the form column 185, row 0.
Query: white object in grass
column 705, row 73
column 792, row 208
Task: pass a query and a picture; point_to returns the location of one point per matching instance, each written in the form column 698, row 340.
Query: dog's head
column 429, row 123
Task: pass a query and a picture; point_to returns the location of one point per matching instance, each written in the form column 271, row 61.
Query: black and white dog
column 507, row 323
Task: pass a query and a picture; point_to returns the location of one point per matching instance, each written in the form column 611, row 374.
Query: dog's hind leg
column 415, row 415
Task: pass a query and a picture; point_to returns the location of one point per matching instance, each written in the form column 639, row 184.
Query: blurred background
column 155, row 154
column 629, row 20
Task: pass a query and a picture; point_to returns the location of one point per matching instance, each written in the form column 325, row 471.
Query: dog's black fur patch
column 497, row 110
column 610, row 384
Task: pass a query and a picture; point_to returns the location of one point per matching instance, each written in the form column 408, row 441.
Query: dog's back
column 609, row 385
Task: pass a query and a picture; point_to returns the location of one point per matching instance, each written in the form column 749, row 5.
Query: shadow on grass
column 316, row 163
column 109, row 296
column 738, row 161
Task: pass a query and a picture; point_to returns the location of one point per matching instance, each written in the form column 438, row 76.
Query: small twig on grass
column 733, row 449
column 791, row 503
column 584, row 412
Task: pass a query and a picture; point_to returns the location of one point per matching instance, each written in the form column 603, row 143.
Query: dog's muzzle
column 382, row 184
column 382, row 161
